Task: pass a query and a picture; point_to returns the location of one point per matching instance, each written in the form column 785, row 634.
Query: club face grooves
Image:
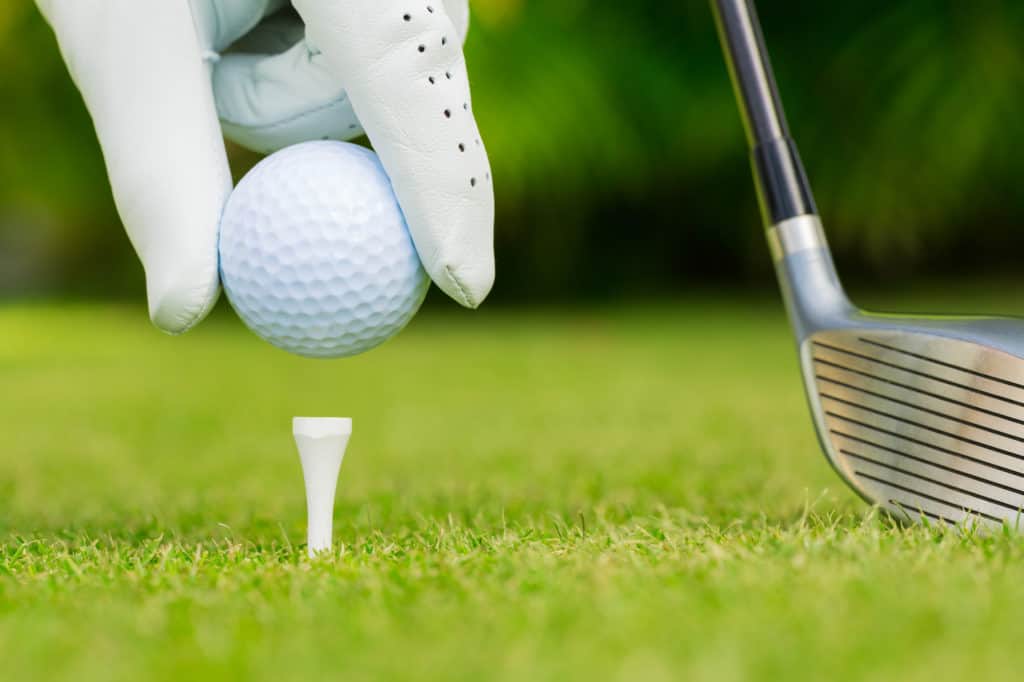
column 926, row 426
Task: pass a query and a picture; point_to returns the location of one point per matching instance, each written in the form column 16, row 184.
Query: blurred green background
column 621, row 485
column 618, row 154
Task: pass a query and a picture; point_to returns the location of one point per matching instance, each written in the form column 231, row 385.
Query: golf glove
column 161, row 85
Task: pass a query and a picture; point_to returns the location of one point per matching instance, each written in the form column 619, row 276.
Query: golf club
column 923, row 416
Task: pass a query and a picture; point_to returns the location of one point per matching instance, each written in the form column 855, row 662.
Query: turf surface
column 633, row 493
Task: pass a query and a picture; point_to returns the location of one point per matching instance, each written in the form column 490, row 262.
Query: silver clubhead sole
column 923, row 425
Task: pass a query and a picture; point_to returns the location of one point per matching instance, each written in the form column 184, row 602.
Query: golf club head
column 923, row 416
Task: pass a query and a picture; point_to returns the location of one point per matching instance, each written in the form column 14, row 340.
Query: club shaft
column 778, row 172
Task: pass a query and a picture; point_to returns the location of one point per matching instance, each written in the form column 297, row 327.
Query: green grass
column 630, row 493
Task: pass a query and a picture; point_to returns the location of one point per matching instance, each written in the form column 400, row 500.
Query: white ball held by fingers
column 315, row 254
column 321, row 443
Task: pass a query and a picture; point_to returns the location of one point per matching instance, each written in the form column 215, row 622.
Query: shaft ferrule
column 803, row 233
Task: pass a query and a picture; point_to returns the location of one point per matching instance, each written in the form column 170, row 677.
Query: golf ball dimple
column 315, row 254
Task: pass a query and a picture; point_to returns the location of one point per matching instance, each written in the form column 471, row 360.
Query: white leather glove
column 160, row 93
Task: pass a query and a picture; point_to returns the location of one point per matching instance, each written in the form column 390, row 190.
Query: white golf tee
column 321, row 443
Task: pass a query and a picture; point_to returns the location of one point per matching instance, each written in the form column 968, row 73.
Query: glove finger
column 266, row 103
column 139, row 69
column 404, row 71
column 274, row 90
column 458, row 11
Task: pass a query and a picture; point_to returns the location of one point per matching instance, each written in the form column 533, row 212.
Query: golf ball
column 315, row 254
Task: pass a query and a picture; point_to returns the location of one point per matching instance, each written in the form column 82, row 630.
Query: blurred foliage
column 618, row 154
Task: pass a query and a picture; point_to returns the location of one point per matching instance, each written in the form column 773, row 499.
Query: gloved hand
column 160, row 92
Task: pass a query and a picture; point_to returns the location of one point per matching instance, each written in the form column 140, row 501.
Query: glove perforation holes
column 462, row 147
column 422, row 48
column 447, row 113
column 430, row 9
column 444, row 40
column 432, row 80
column 472, row 182
column 448, row 75
column 407, row 17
